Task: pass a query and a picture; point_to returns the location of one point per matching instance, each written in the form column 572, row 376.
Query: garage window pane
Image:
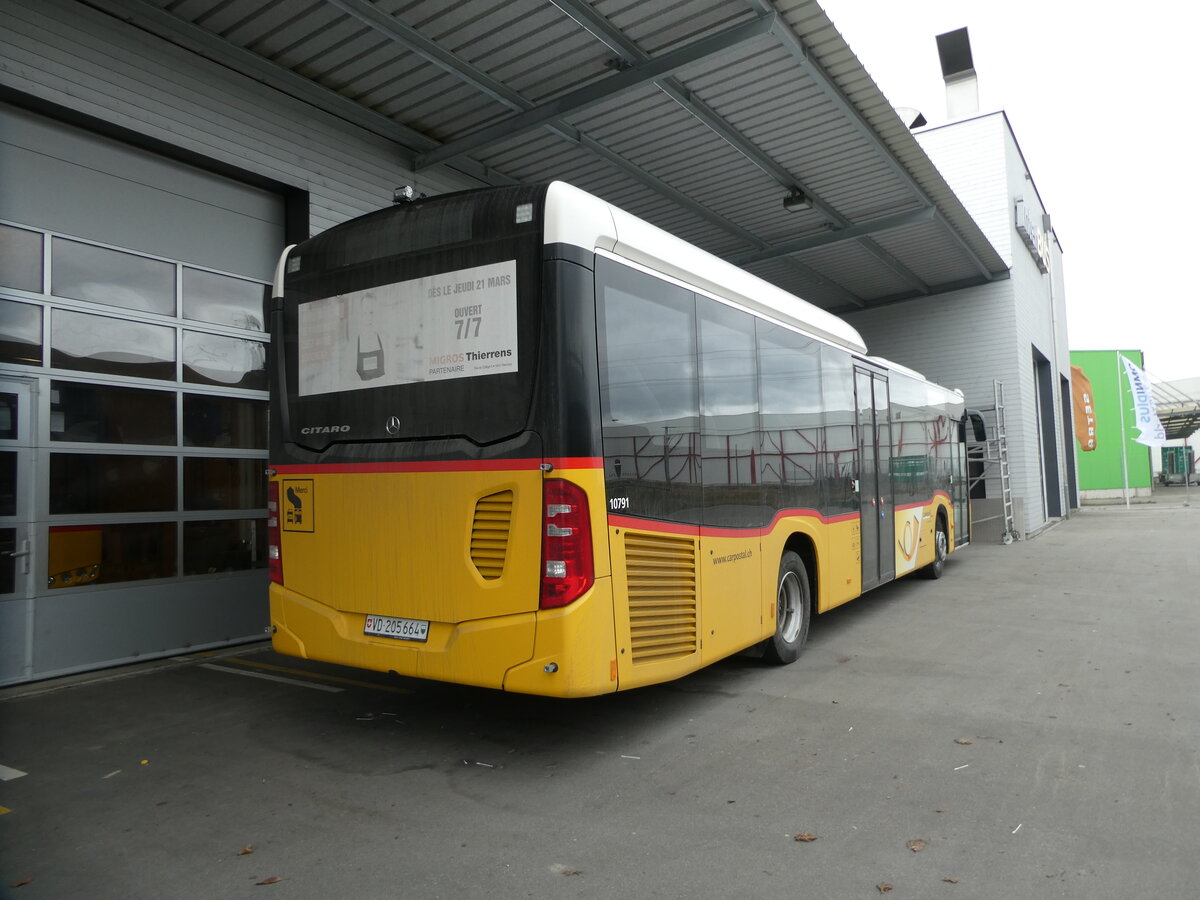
column 211, row 483
column 8, row 483
column 20, row 333
column 224, row 422
column 111, row 346
column 8, row 563
column 212, row 359
column 222, row 299
column 104, row 414
column 87, row 483
column 20, row 259
column 85, row 272
column 104, row 554
column 228, row 546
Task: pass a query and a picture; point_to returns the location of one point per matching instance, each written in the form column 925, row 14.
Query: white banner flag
column 1151, row 431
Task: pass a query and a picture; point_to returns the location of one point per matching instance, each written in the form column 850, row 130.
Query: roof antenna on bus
column 406, row 194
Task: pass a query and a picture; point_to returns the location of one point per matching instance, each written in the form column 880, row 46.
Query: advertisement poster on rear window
column 457, row 324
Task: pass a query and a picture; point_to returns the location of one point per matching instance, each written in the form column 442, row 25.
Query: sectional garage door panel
column 63, row 179
column 142, row 376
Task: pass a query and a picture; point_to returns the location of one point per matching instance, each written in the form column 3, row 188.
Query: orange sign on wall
column 1085, row 410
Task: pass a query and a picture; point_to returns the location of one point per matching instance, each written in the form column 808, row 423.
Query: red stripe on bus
column 717, row 531
column 457, row 465
column 576, row 462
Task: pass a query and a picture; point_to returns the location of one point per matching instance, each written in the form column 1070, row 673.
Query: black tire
column 941, row 549
column 793, row 610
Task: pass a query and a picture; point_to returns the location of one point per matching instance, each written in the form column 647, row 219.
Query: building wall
column 973, row 158
column 1040, row 336
column 1119, row 462
column 971, row 338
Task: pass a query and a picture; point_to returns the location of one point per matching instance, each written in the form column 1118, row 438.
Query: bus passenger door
column 876, row 504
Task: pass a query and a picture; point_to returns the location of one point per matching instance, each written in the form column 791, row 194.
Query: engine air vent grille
column 661, row 572
column 489, row 533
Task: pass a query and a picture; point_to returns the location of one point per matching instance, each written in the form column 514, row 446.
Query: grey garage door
column 132, row 401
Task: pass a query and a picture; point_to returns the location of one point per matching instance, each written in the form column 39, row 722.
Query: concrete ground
column 1026, row 727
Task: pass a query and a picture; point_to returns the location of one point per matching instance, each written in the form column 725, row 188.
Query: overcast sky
column 1102, row 98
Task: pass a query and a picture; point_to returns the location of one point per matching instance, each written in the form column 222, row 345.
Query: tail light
column 274, row 547
column 567, row 570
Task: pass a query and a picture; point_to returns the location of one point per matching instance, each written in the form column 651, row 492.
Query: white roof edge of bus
column 277, row 284
column 576, row 217
column 896, row 367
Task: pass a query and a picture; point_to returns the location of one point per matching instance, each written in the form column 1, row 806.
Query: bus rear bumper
column 575, row 654
column 478, row 652
column 568, row 652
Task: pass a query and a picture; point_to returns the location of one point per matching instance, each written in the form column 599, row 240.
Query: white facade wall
column 970, row 338
column 972, row 157
column 76, row 57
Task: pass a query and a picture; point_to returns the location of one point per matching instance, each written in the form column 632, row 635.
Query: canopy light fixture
column 796, row 201
column 406, row 194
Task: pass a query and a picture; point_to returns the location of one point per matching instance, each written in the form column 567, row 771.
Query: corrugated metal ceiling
column 698, row 115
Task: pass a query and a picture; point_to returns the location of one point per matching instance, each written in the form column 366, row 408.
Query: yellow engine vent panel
column 489, row 533
column 661, row 572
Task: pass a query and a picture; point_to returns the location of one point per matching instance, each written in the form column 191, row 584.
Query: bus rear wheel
column 793, row 608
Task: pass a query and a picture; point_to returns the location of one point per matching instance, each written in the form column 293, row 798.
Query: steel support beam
column 586, row 17
column 599, row 91
column 600, row 28
column 836, row 236
column 408, row 141
column 412, row 40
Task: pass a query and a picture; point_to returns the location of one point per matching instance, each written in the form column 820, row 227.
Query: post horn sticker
column 298, row 501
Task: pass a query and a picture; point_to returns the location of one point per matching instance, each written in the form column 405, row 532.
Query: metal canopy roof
column 699, row 116
column 1177, row 410
column 1180, row 424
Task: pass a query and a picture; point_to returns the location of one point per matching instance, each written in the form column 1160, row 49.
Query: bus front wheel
column 941, row 549
column 792, row 611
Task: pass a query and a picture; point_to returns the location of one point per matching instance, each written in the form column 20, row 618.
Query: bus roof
column 578, row 218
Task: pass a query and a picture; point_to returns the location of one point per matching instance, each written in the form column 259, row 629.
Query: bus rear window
column 459, row 324
column 443, row 349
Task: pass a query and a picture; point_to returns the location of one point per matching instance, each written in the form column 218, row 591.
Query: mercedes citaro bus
column 522, row 439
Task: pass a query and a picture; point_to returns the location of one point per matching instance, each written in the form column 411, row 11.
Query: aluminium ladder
column 992, row 455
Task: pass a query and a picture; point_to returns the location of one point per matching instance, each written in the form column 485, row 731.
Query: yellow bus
column 522, row 439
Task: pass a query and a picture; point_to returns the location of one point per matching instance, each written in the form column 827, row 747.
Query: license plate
column 401, row 629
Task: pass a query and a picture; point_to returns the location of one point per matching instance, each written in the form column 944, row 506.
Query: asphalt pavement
column 1026, row 727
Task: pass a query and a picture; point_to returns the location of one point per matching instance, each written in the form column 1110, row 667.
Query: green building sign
column 1113, row 419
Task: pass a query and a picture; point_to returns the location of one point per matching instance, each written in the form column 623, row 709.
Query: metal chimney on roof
column 958, row 71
